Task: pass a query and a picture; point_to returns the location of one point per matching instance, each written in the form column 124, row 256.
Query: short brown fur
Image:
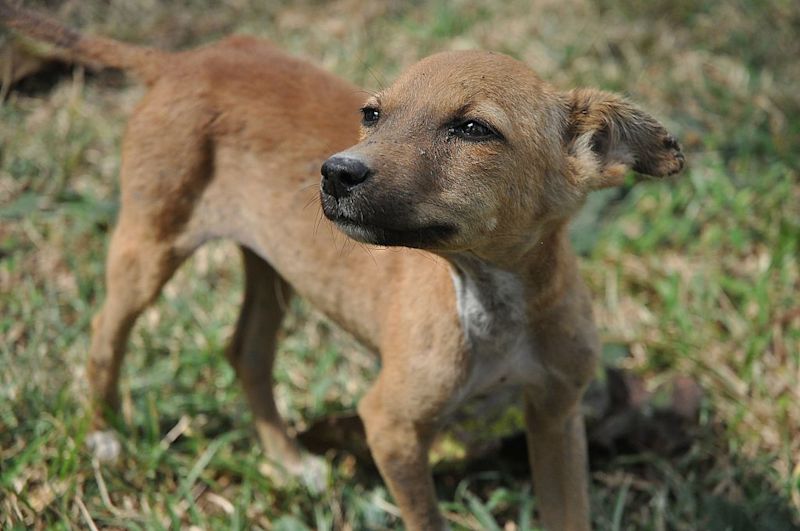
column 228, row 143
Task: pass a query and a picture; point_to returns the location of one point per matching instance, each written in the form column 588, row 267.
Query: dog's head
column 468, row 148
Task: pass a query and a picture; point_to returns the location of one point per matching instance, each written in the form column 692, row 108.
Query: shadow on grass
column 650, row 463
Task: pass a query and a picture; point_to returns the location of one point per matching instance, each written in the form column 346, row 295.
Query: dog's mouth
column 385, row 231
column 425, row 237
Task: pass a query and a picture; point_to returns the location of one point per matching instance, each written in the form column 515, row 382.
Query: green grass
column 695, row 276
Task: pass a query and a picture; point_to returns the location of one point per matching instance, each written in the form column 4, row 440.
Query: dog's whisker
column 317, row 223
column 311, row 201
column 370, row 253
column 381, row 83
column 367, row 92
column 310, row 185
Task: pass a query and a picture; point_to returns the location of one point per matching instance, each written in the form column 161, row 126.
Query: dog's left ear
column 607, row 136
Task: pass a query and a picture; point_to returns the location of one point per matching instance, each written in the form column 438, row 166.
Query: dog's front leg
column 557, row 453
column 400, row 447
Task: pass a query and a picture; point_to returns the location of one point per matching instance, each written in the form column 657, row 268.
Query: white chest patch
column 492, row 310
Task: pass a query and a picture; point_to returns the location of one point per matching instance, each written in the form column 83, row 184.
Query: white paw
column 314, row 473
column 311, row 472
column 104, row 446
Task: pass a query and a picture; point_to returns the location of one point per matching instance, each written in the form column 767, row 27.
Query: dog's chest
column 492, row 311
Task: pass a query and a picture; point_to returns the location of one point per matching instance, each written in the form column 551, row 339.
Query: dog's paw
column 104, row 445
column 314, row 473
column 311, row 471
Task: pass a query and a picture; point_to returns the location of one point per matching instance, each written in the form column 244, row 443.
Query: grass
column 698, row 276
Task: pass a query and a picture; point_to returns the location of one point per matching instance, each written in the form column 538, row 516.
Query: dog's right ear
column 607, row 136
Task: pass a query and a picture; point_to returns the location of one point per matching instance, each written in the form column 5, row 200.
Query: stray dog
column 468, row 156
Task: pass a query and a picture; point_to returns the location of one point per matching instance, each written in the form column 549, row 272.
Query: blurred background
column 694, row 422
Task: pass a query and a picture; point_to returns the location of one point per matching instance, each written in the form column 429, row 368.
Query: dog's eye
column 369, row 116
column 471, row 130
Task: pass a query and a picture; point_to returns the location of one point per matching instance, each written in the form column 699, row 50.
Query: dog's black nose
column 341, row 174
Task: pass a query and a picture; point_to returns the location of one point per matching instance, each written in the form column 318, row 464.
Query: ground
column 696, row 277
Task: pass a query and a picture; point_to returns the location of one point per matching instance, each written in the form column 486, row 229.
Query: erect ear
column 607, row 136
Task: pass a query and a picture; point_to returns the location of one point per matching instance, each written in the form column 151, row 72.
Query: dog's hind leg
column 252, row 353
column 165, row 167
column 137, row 267
column 136, row 270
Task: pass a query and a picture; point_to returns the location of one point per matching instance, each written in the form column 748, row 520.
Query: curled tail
column 144, row 63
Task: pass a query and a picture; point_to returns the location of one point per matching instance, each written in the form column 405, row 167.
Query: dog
column 468, row 156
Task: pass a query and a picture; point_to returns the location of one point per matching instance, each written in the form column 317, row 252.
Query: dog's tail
column 144, row 63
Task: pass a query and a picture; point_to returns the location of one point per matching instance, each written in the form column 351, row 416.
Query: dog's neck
column 488, row 298
column 533, row 270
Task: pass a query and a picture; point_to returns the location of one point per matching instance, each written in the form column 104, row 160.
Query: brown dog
column 468, row 155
